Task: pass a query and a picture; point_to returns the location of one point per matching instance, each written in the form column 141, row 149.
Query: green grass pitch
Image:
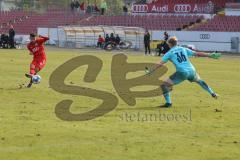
column 30, row 129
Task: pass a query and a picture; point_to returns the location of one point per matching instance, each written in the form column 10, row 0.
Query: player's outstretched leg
column 33, row 71
column 30, row 83
column 204, row 85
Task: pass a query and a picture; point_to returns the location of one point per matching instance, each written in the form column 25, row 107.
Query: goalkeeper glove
column 215, row 55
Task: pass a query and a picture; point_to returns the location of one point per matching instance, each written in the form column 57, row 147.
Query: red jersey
column 101, row 40
column 37, row 49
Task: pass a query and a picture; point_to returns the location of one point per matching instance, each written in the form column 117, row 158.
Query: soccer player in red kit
column 36, row 49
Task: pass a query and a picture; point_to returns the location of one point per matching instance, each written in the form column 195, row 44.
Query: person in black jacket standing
column 11, row 37
column 147, row 39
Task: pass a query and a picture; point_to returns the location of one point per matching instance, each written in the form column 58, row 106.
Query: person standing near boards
column 147, row 40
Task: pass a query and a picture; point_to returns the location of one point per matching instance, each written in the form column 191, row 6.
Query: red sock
column 32, row 71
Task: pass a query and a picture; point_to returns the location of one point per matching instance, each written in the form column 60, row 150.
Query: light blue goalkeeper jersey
column 179, row 57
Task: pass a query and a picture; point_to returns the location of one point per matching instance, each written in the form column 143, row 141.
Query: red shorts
column 38, row 64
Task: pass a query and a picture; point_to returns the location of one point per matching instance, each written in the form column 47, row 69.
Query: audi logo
column 182, row 8
column 140, row 8
column 205, row 36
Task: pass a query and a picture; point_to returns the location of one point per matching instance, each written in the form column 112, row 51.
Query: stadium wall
column 232, row 12
column 52, row 33
column 205, row 41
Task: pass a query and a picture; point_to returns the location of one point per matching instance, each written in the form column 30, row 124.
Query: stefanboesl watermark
column 158, row 116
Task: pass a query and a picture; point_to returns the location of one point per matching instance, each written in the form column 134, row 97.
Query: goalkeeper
column 184, row 69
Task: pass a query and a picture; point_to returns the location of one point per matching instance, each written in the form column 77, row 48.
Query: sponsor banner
column 206, row 8
column 205, row 36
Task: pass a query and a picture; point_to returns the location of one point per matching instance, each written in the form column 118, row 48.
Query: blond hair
column 172, row 41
